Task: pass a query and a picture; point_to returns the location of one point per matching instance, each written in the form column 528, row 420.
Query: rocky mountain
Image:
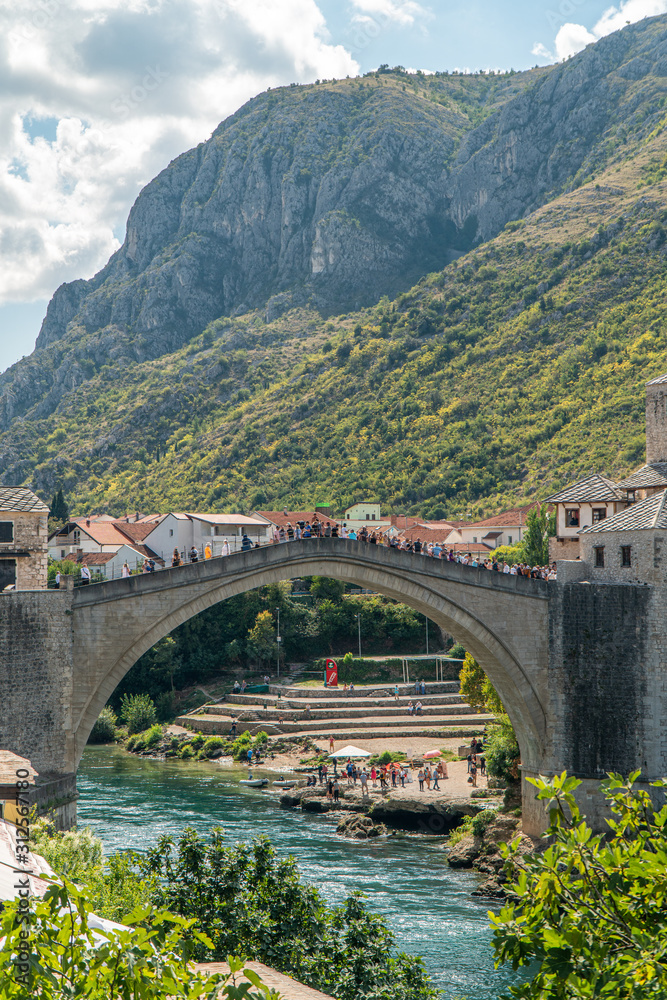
column 233, row 342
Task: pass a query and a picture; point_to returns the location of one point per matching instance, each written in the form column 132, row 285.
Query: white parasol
column 350, row 752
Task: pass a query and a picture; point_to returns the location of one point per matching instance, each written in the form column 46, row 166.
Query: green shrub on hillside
column 138, row 712
column 105, row 728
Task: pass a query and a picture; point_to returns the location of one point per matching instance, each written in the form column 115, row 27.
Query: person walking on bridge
column 176, row 558
column 194, row 555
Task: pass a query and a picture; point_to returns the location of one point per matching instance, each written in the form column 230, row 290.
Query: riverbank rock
column 360, row 827
column 465, row 852
column 482, row 853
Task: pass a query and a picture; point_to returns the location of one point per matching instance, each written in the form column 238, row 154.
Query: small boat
column 285, row 783
column 251, row 782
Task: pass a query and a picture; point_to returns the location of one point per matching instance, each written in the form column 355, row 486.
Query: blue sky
column 99, row 95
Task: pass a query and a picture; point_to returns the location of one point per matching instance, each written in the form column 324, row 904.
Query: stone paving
column 289, row 988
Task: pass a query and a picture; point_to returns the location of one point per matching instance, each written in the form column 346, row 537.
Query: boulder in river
column 360, row 827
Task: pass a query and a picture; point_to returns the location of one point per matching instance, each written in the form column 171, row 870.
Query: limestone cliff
column 334, row 194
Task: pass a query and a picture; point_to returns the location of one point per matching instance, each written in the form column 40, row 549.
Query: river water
column 131, row 801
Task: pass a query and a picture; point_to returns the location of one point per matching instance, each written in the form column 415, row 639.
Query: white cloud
column 402, row 12
column 96, row 96
column 573, row 38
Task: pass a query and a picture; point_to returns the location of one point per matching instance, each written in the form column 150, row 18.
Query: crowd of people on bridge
column 435, row 550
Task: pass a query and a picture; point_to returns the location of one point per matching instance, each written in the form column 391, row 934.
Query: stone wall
column 648, row 556
column 36, row 678
column 563, row 548
column 30, row 535
column 656, row 423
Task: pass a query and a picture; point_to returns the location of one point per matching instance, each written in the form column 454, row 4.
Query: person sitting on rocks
column 236, row 688
column 418, row 708
column 411, row 708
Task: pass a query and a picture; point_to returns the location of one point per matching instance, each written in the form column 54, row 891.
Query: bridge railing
column 145, row 565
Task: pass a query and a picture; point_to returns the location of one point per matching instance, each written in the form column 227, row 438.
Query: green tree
column 261, row 637
column 62, row 957
column 476, row 687
column 502, row 750
column 540, row 526
column 591, row 909
column 247, row 900
column 325, row 588
column 138, row 712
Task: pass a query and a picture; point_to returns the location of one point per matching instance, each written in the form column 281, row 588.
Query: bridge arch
column 500, row 619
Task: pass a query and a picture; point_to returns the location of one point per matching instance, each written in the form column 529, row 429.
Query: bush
column 74, row 854
column 138, row 712
column 186, row 752
column 212, row 744
column 153, row 735
column 104, row 730
column 502, row 751
column 481, row 821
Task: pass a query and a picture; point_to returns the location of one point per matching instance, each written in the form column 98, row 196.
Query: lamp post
column 278, row 640
column 358, row 617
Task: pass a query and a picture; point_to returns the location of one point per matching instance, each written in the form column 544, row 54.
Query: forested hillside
column 503, row 373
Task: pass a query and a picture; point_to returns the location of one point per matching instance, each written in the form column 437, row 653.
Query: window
column 599, row 514
column 599, row 556
column 6, row 531
column 571, row 518
column 77, row 536
column 626, row 555
column 509, row 539
column 372, row 517
column 367, row 517
column 7, row 573
column 632, row 496
column 474, row 539
column 171, row 532
column 62, row 553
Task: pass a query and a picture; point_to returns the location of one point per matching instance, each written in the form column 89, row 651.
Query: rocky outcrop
column 337, row 193
column 360, row 828
column 481, row 852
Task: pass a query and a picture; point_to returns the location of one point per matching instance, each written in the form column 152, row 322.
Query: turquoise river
column 129, row 802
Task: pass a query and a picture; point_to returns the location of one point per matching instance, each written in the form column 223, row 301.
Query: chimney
column 137, row 516
column 656, row 420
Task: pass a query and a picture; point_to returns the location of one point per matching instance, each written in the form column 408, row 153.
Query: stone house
column 23, row 539
column 631, row 546
column 579, row 506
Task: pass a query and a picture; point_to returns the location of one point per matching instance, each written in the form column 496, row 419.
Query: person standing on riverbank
column 364, row 783
column 336, row 791
column 374, row 776
column 421, row 779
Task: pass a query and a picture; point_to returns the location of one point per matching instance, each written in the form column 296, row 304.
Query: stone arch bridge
column 568, row 659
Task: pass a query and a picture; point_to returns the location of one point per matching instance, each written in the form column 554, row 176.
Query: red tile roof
column 136, row 531
column 516, row 515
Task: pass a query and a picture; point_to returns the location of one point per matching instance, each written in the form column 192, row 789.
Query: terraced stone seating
column 368, row 711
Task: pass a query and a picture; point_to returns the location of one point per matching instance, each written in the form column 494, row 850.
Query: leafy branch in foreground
column 592, row 909
column 54, row 950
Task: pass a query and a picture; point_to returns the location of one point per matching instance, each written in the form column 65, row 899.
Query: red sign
column 331, row 673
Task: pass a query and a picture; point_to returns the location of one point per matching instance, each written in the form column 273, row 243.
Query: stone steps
column 288, row 712
column 343, row 729
column 378, row 690
column 350, row 704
